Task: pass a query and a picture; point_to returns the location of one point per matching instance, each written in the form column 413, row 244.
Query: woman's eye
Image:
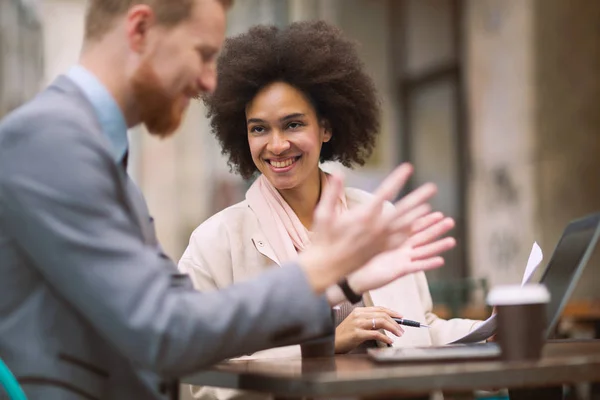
column 294, row 125
column 257, row 129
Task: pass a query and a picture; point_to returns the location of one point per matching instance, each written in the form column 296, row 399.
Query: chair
column 10, row 384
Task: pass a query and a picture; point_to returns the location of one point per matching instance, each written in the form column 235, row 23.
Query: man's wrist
column 334, row 295
column 319, row 269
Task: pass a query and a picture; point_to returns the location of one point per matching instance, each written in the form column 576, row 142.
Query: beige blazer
column 230, row 247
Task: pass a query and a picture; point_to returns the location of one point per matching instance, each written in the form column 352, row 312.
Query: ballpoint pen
column 408, row 322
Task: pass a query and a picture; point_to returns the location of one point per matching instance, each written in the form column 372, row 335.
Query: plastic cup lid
column 506, row 295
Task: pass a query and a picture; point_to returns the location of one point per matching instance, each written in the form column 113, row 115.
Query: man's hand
column 343, row 243
column 420, row 252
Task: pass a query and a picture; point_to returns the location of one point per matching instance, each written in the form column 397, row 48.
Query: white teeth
column 283, row 164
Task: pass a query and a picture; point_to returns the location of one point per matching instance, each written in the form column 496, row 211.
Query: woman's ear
column 326, row 131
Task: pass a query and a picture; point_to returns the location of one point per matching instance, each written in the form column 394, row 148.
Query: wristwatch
column 348, row 292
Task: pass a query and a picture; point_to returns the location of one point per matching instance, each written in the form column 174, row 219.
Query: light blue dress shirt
column 110, row 116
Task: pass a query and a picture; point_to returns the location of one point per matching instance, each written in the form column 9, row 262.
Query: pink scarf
column 281, row 226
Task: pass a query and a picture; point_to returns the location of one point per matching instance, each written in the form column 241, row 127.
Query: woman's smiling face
column 285, row 135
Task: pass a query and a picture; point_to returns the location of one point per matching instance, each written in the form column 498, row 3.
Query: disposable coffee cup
column 317, row 348
column 521, row 319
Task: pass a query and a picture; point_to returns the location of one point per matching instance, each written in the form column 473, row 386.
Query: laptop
column 566, row 265
column 561, row 275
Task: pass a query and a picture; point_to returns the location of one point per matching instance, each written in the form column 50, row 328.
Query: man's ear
column 138, row 21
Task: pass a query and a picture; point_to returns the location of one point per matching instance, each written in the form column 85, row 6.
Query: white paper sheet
column 535, row 258
column 487, row 328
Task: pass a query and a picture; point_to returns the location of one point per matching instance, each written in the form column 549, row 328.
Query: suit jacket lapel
column 132, row 196
column 138, row 207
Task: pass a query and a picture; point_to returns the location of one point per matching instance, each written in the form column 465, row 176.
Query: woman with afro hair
column 286, row 100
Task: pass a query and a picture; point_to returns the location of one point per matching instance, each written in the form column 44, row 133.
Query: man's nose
column 207, row 81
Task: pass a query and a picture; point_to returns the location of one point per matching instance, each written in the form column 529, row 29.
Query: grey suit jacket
column 90, row 308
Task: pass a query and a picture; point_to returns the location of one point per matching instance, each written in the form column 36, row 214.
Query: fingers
column 369, row 322
column 392, row 185
column 388, row 311
column 406, row 220
column 375, row 335
column 427, row 221
column 374, row 318
column 411, row 208
column 433, row 249
column 370, row 312
column 397, row 231
column 418, row 196
column 386, row 323
column 425, row 265
column 432, row 232
column 326, row 207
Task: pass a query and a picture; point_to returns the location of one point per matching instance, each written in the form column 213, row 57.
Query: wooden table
column 583, row 309
column 563, row 362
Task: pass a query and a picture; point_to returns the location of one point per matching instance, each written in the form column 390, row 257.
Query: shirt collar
column 110, row 116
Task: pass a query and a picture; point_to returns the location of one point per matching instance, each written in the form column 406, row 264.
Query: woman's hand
column 363, row 324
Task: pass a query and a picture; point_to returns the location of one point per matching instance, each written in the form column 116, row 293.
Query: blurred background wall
column 494, row 100
column 21, row 53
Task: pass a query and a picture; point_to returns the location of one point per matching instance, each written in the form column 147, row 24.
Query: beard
column 159, row 111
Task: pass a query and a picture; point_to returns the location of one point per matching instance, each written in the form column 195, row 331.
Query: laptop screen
column 567, row 263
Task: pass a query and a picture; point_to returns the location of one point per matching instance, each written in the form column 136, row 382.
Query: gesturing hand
column 421, row 251
column 364, row 323
column 343, row 243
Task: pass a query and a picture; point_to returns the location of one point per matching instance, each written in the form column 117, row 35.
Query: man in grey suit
column 90, row 308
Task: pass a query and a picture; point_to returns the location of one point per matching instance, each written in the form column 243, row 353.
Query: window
column 427, row 63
